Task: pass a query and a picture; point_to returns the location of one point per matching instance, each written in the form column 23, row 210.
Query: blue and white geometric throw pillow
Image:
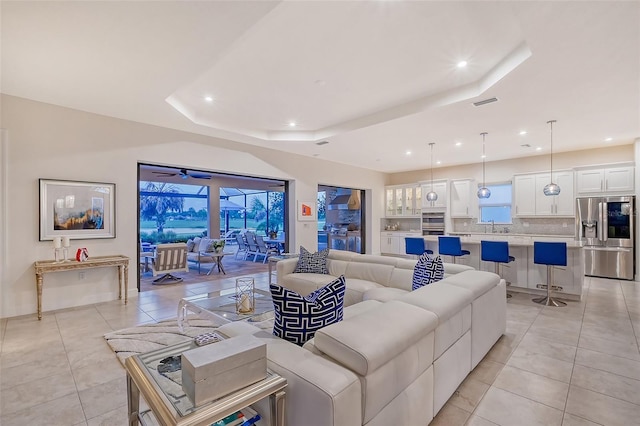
column 427, row 270
column 313, row 263
column 298, row 318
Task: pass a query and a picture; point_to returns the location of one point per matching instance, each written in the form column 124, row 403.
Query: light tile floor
column 576, row 365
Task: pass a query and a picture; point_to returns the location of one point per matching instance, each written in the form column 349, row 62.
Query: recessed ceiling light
column 292, row 124
column 483, row 156
column 462, row 64
column 523, row 132
column 458, row 143
column 408, row 152
column 539, row 148
column 608, row 139
column 208, row 98
column 438, row 162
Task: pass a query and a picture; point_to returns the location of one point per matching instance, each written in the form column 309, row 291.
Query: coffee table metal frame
column 178, row 410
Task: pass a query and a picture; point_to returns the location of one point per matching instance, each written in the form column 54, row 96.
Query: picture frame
column 306, row 210
column 76, row 209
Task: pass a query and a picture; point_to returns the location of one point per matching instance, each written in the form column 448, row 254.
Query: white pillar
column 636, row 157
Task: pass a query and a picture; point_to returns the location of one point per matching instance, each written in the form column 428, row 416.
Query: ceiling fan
column 184, row 174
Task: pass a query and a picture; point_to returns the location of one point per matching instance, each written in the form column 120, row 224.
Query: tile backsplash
column 535, row 226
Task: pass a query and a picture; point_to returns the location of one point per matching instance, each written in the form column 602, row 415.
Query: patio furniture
column 169, row 258
column 229, row 237
column 242, row 246
column 252, row 245
column 263, row 250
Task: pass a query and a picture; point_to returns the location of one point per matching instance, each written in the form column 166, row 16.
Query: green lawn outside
column 150, row 225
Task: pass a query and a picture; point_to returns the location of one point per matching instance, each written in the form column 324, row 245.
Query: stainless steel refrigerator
column 606, row 226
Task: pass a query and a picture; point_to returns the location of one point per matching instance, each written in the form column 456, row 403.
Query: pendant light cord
column 483, row 160
column 431, row 167
column 551, row 155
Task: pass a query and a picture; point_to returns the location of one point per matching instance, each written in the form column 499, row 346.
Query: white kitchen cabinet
column 393, row 242
column 389, row 243
column 605, row 180
column 463, row 200
column 555, row 205
column 403, row 201
column 524, row 188
column 530, row 200
column 440, row 188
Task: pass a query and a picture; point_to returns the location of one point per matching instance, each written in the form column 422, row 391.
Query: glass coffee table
column 220, row 308
column 168, row 403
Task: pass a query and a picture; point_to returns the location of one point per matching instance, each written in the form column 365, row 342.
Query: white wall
column 46, row 141
column 500, row 171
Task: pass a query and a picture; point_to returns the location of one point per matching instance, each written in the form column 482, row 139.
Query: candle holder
column 56, row 254
column 65, row 252
column 245, row 295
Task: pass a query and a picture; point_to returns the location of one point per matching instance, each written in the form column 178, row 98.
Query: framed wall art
column 78, row 210
column 306, row 210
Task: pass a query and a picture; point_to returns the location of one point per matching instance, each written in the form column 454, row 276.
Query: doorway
column 177, row 204
column 341, row 218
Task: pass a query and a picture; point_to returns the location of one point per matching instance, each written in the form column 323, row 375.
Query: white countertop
column 513, row 239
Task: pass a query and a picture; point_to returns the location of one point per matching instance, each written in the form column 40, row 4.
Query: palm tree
column 276, row 212
column 154, row 205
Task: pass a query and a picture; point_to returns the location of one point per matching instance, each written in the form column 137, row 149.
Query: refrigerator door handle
column 605, row 221
column 600, row 223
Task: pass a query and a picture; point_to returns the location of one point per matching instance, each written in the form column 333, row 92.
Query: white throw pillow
column 196, row 244
column 205, row 245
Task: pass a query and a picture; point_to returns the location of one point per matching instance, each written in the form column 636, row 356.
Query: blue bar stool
column 415, row 245
column 550, row 254
column 451, row 246
column 498, row 252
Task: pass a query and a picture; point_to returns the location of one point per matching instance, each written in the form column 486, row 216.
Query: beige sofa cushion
column 478, row 282
column 337, row 267
column 380, row 274
column 367, row 341
column 389, row 347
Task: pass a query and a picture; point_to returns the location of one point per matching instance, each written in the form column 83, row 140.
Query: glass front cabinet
column 403, row 201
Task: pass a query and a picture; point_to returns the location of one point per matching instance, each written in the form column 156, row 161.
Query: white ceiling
column 374, row 78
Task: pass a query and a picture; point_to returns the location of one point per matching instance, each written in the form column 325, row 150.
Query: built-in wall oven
column 433, row 223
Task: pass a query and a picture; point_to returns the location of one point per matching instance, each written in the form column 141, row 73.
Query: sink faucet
column 493, row 226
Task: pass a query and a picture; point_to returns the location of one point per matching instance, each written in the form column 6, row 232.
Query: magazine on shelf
column 245, row 417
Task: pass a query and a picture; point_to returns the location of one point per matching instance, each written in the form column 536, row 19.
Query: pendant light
column 483, row 192
column 551, row 188
column 432, row 196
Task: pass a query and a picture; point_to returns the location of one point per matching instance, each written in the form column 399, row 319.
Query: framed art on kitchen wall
column 79, row 210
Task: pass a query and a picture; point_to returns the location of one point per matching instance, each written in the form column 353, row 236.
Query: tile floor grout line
column 575, row 355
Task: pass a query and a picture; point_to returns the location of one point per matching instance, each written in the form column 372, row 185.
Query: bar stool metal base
column 549, row 301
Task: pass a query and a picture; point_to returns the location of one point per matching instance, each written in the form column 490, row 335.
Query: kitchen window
column 497, row 208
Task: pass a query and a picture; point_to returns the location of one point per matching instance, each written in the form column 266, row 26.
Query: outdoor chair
column 252, row 245
column 242, row 246
column 229, row 237
column 169, row 258
column 263, row 250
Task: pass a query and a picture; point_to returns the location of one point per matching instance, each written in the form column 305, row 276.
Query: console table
column 119, row 261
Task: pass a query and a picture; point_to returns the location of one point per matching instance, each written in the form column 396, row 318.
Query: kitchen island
column 523, row 274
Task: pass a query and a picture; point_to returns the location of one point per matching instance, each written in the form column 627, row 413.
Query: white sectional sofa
column 398, row 355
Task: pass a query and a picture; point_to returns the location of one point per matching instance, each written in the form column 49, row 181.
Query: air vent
column 486, row 101
column 322, row 143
